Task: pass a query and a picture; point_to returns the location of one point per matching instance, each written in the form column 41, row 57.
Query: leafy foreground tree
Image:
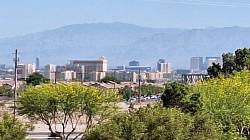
column 62, row 106
column 13, row 130
column 228, row 101
column 156, row 123
column 36, row 79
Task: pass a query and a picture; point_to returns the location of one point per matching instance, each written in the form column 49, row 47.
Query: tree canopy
column 174, row 94
column 178, row 95
column 13, row 129
column 150, row 89
column 108, row 79
column 242, row 59
column 238, row 61
column 229, row 64
column 36, row 79
column 156, row 122
column 127, row 92
column 228, row 100
column 6, row 90
column 214, row 70
column 66, row 105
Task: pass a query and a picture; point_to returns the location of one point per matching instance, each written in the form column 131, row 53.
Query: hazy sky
column 18, row 17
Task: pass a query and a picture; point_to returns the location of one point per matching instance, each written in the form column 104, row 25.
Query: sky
column 20, row 17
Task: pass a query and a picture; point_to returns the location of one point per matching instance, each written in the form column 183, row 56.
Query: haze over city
column 20, row 18
column 125, row 69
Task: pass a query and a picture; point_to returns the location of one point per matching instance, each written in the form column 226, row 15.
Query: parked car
column 153, row 97
column 131, row 99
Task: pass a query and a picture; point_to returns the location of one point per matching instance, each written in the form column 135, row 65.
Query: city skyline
column 132, row 63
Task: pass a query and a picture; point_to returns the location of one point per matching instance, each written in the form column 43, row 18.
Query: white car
column 147, row 98
column 153, row 97
column 131, row 99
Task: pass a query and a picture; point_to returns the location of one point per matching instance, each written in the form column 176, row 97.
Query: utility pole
column 16, row 60
column 114, row 76
column 81, row 78
column 130, row 88
column 55, row 76
column 139, row 95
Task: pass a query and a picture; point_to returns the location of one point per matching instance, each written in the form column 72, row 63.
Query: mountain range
column 122, row 42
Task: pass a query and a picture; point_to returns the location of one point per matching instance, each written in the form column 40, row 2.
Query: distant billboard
column 20, row 71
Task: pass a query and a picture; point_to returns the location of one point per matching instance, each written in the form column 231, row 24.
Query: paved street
column 44, row 135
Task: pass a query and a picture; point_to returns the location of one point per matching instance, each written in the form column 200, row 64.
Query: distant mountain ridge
column 122, row 42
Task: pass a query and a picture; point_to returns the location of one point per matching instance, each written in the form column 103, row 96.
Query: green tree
column 127, row 92
column 150, row 81
column 214, row 70
column 242, row 57
column 227, row 100
column 151, row 89
column 6, row 90
column 174, row 94
column 13, row 130
column 66, row 105
column 178, row 95
column 156, row 123
column 205, row 127
column 229, row 64
column 239, row 61
column 191, row 103
column 36, row 79
column 108, row 79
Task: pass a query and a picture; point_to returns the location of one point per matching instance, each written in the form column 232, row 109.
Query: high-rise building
column 137, row 68
column 31, row 68
column 196, row 63
column 37, row 63
column 134, row 63
column 164, row 66
column 94, row 70
column 23, row 71
column 50, row 71
column 68, row 75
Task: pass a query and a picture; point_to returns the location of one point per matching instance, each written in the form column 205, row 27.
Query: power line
column 206, row 3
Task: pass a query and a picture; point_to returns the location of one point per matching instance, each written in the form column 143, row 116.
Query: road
column 44, row 135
